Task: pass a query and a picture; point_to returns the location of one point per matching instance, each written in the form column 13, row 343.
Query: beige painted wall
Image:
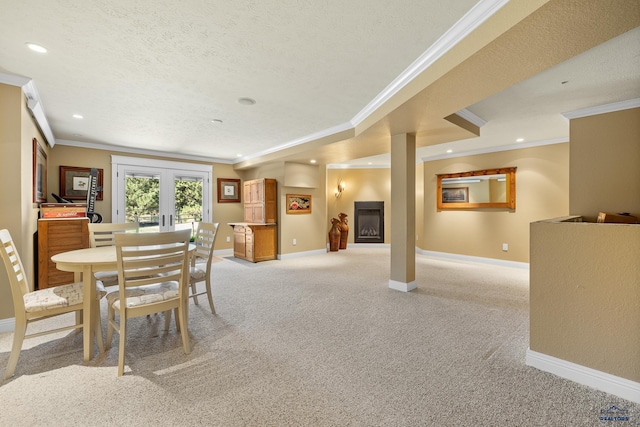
column 308, row 229
column 605, row 164
column 18, row 213
column 542, row 184
column 361, row 185
column 10, row 172
column 419, row 202
column 223, row 213
column 62, row 155
column 584, row 295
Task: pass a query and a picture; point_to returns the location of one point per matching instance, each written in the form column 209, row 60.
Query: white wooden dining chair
column 201, row 262
column 152, row 278
column 102, row 234
column 42, row 304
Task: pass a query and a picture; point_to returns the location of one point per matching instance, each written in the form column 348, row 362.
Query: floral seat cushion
column 197, row 273
column 145, row 294
column 58, row 296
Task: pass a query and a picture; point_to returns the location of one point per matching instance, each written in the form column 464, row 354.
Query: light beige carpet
column 315, row 341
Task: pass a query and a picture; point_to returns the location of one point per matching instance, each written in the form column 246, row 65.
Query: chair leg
column 18, row 338
column 177, row 312
column 98, row 326
column 167, row 320
column 184, row 331
column 194, row 290
column 111, row 318
column 123, row 334
column 210, row 296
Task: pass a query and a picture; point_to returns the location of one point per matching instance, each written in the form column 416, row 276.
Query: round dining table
column 84, row 263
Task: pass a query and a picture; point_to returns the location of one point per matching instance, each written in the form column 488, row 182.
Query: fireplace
column 369, row 222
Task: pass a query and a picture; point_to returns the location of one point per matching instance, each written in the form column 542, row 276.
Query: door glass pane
column 188, row 202
column 142, row 201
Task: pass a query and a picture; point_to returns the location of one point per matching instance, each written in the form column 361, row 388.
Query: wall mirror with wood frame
column 488, row 188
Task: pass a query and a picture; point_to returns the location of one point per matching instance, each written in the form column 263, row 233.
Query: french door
column 160, row 195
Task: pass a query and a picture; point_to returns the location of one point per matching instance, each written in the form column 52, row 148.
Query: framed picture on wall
column 228, row 190
column 74, row 183
column 39, row 173
column 298, row 203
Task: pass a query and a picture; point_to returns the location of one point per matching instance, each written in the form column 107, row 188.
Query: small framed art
column 74, row 183
column 298, row 203
column 228, row 190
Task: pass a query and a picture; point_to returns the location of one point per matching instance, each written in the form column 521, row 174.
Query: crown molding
column 117, row 148
column 344, row 166
column 488, row 150
column 471, row 118
column 33, row 102
column 482, row 11
column 602, row 109
column 325, row 133
column 13, row 80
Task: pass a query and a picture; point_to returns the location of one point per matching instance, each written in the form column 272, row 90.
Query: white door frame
column 118, row 187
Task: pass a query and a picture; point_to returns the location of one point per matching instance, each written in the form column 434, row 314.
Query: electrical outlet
column 228, row 239
column 505, row 247
column 294, row 242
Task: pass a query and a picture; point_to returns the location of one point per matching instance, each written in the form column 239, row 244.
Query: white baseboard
column 7, row 325
column 468, row 258
column 223, row 252
column 401, row 286
column 370, row 245
column 302, row 254
column 621, row 387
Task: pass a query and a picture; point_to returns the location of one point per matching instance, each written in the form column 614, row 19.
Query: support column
column 403, row 212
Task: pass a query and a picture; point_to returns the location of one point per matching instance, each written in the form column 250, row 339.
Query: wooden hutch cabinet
column 55, row 236
column 260, row 201
column 256, row 239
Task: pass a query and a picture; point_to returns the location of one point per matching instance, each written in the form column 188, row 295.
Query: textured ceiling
column 152, row 75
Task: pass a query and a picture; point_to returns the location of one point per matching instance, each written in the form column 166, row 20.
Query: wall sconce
column 339, row 189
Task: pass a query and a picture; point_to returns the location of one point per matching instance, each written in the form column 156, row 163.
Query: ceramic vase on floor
column 344, row 230
column 334, row 235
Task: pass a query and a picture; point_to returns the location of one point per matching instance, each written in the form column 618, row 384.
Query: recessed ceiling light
column 78, row 116
column 370, row 163
column 239, row 155
column 520, row 140
column 36, row 48
column 312, row 160
column 216, row 121
column 449, row 151
column 246, row 101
